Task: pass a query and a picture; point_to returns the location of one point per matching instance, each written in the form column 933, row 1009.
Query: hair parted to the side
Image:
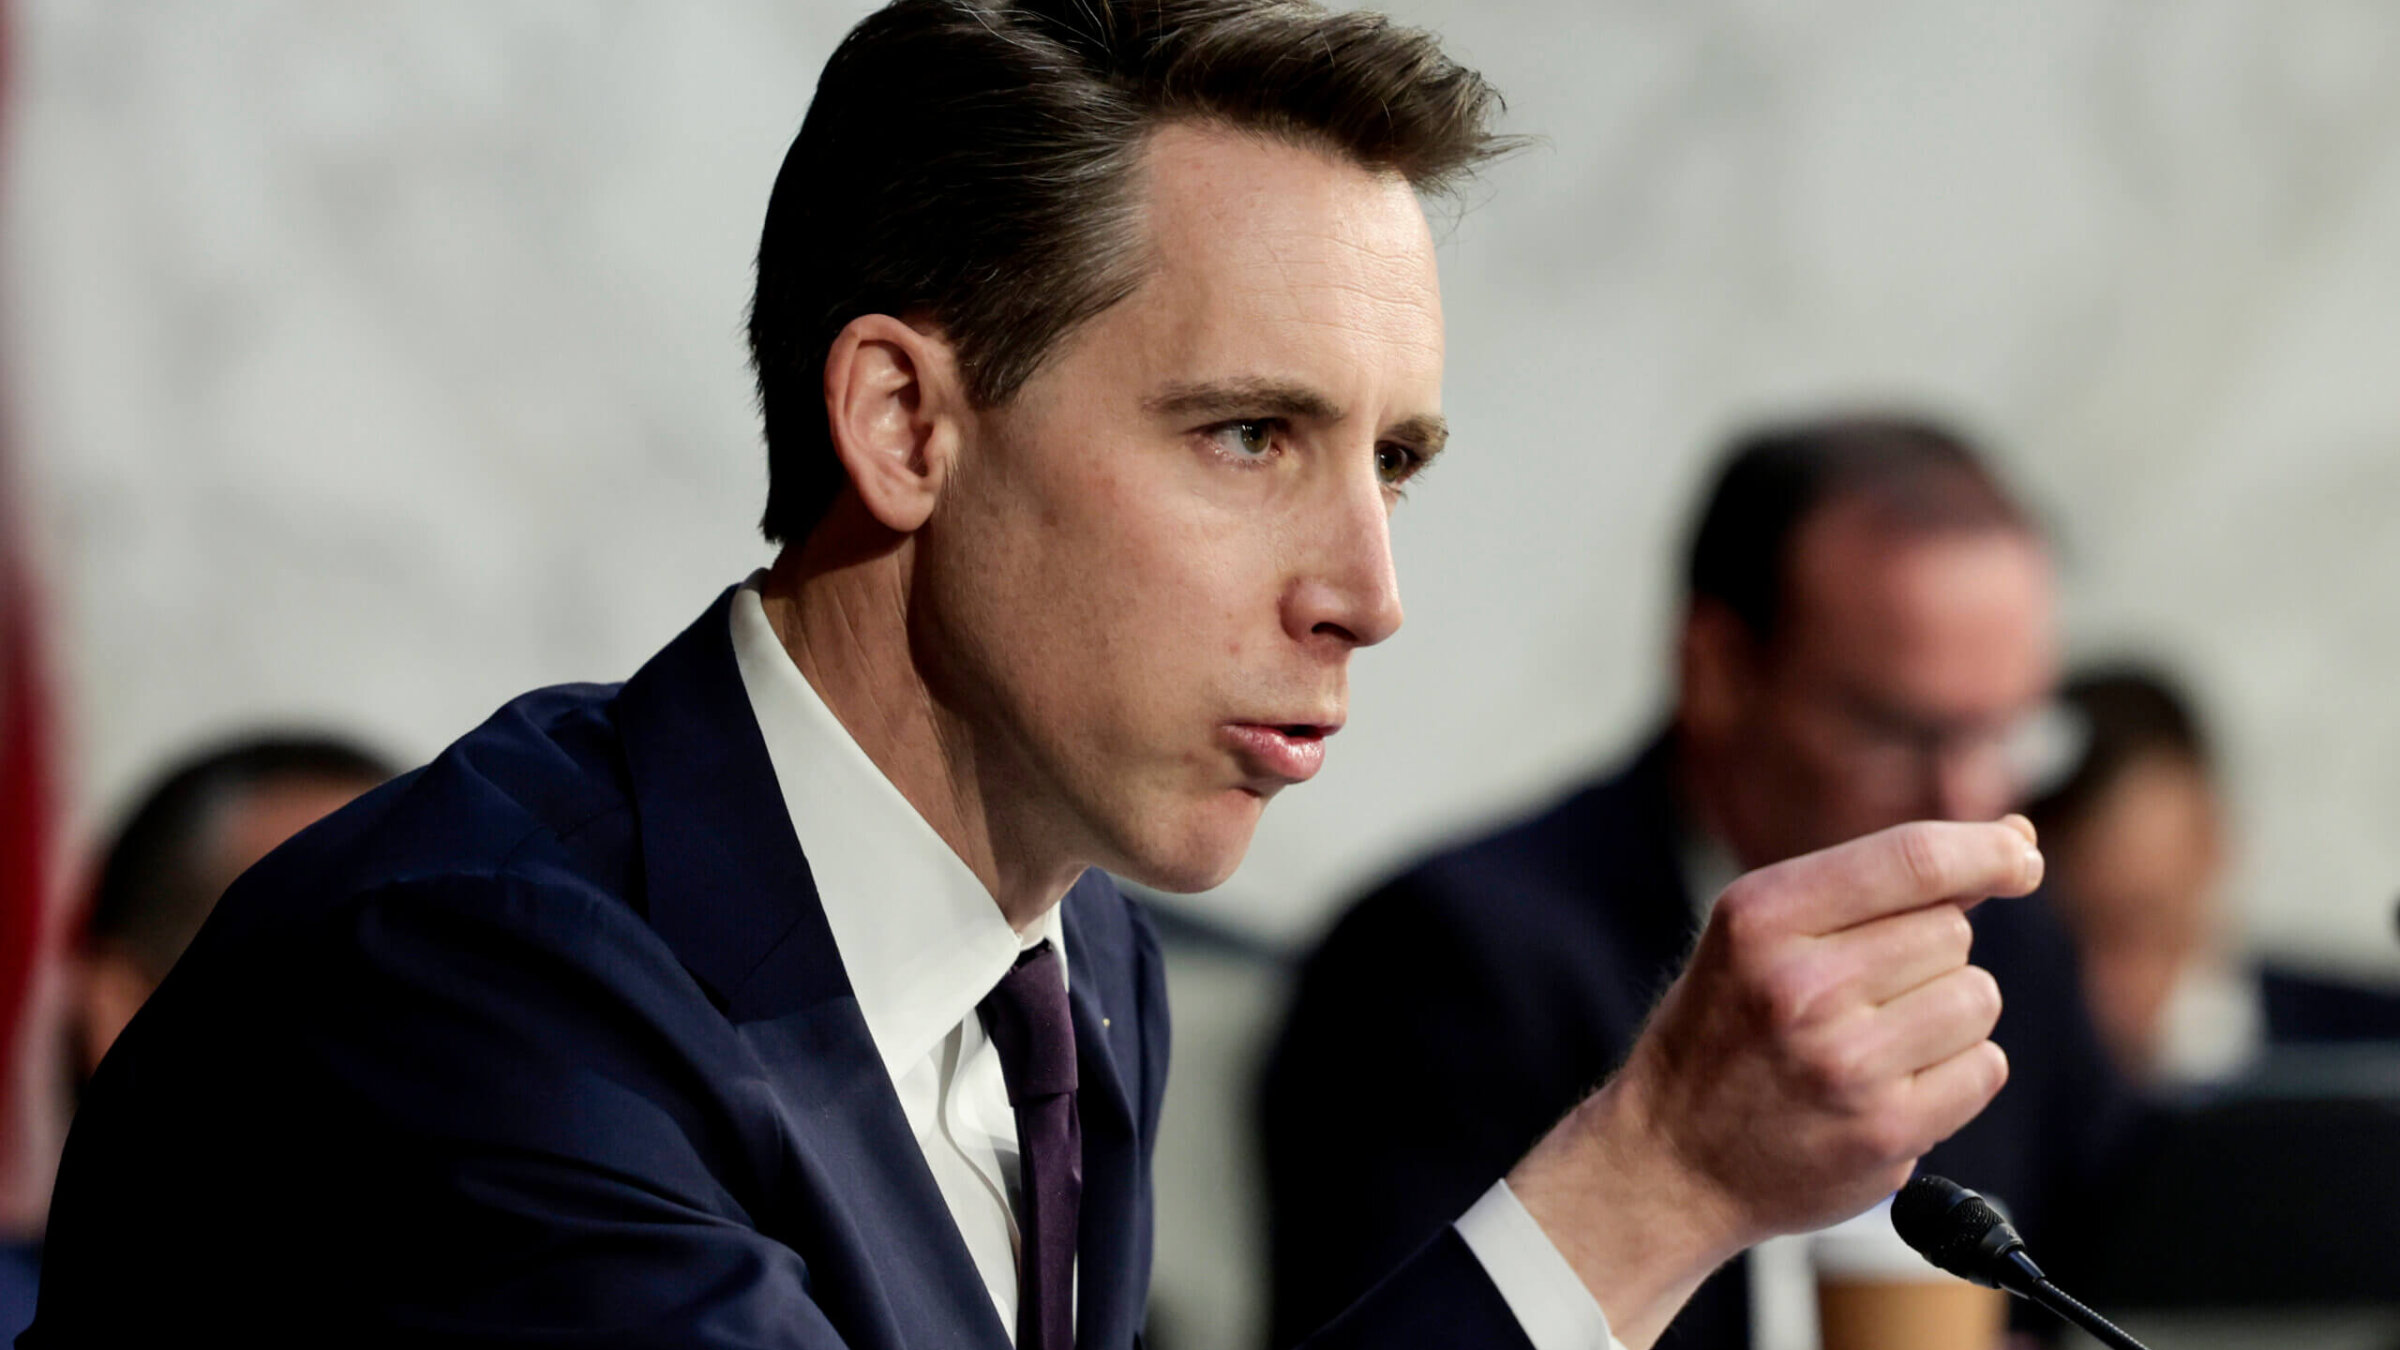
column 1922, row 476
column 975, row 162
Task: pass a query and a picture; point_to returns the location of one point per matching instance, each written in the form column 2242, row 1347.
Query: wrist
column 1640, row 1226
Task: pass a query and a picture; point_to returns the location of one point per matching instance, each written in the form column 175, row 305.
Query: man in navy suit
column 776, row 998
column 1867, row 632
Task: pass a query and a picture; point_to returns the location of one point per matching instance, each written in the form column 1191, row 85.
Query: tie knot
column 1027, row 1018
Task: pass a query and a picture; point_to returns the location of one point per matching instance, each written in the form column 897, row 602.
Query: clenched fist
column 1827, row 1031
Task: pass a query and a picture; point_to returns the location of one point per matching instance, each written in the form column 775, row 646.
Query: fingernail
column 2033, row 868
column 2023, row 826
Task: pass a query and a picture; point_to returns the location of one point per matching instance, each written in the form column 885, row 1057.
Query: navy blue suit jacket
column 1502, row 980
column 548, row 1043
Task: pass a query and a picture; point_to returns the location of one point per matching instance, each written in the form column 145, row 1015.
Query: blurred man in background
column 202, row 824
column 199, row 826
column 2139, row 833
column 1868, row 633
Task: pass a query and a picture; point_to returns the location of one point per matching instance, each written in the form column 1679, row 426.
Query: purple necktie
column 1026, row 1016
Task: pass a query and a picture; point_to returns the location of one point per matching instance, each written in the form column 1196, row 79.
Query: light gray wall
column 380, row 362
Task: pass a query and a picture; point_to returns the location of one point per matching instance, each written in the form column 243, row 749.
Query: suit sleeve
column 1439, row 1299
column 1411, row 1075
column 459, row 1113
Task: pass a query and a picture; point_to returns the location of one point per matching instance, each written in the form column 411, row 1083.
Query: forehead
column 1949, row 619
column 1272, row 259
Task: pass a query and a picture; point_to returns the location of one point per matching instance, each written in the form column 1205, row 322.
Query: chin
column 1212, row 843
column 1184, row 870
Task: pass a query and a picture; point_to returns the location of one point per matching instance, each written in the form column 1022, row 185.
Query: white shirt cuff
column 1534, row 1279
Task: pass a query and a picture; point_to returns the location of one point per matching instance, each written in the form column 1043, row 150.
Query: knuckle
column 1788, row 995
column 1922, row 858
column 1836, row 1066
column 1741, row 911
column 1843, row 1075
column 1957, row 932
column 1981, row 995
column 1996, row 1062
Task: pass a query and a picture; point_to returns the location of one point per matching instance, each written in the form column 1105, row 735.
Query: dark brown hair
column 974, row 162
column 2126, row 714
column 155, row 883
column 1923, row 477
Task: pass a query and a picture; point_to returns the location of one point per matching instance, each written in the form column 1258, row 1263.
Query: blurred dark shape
column 1868, row 636
column 2280, row 1192
column 2310, row 1009
column 2138, row 842
column 203, row 823
column 2276, row 1182
column 200, row 825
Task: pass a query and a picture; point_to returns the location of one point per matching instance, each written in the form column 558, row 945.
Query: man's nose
column 1345, row 591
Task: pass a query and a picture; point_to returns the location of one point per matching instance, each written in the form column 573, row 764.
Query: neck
column 841, row 605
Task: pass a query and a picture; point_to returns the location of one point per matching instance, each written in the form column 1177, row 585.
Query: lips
column 1289, row 751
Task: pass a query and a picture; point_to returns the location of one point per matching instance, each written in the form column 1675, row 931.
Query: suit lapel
column 1111, row 1249
column 887, row 1262
column 728, row 889
column 724, row 880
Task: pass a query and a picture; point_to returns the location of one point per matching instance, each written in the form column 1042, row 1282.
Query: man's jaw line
column 856, row 610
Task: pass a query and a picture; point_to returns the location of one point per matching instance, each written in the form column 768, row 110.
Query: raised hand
column 1827, row 1031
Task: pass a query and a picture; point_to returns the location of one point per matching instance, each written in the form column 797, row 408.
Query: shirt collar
column 920, row 938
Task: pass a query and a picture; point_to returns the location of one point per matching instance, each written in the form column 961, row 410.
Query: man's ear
column 1715, row 659
column 897, row 410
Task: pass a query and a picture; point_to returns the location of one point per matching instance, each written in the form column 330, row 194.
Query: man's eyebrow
column 1243, row 398
column 1426, row 433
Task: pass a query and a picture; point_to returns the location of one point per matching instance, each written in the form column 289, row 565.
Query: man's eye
column 1396, row 464
column 1252, row 440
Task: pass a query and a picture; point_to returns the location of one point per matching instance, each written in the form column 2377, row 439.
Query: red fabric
column 30, row 936
column 28, row 919
column 25, row 804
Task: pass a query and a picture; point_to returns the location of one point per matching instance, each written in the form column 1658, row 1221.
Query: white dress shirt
column 922, row 942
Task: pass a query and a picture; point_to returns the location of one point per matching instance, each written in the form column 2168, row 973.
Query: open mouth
column 1291, row 752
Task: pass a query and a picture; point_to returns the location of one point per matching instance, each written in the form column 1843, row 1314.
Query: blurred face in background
column 115, row 983
column 2137, row 880
column 1900, row 685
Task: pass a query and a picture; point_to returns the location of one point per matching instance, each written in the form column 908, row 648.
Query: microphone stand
column 2066, row 1305
column 1958, row 1231
column 2020, row 1276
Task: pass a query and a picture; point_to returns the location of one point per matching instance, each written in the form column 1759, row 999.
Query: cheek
column 1107, row 605
column 1185, row 577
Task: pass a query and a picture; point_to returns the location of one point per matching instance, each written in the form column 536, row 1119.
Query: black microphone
column 1960, row 1232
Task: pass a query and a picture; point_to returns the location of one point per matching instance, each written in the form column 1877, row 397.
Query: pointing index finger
column 1903, row 868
